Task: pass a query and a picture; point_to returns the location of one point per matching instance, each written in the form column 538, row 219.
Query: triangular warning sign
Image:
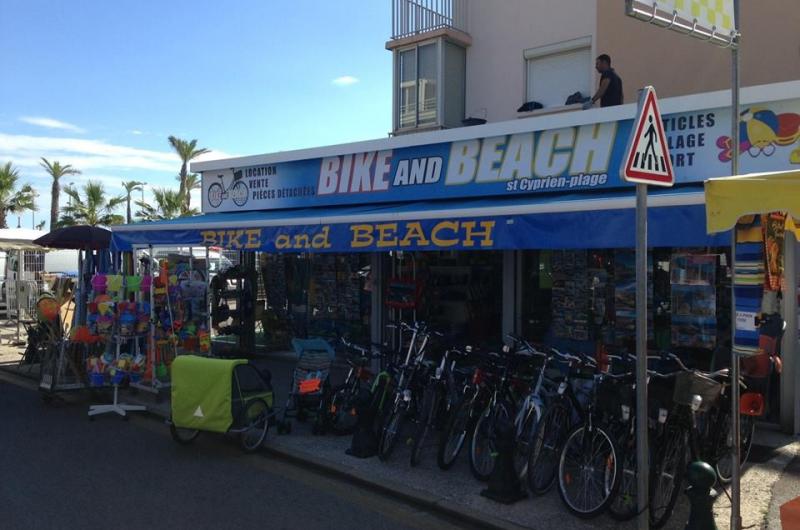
column 647, row 160
column 199, row 413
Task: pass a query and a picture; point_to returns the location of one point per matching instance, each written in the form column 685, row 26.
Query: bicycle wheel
column 587, row 471
column 239, row 193
column 452, row 439
column 183, row 436
column 723, row 457
column 380, row 403
column 667, row 475
column 390, row 433
column 215, row 192
column 255, row 424
column 482, row 449
column 342, row 415
column 625, row 504
column 524, row 441
column 550, row 436
column 426, row 418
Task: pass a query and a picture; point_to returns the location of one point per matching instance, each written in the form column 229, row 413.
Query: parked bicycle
column 338, row 411
column 439, row 397
column 471, row 399
column 589, row 461
column 505, row 406
column 406, row 399
column 698, row 427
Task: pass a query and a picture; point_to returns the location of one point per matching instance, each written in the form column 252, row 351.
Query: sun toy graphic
column 761, row 132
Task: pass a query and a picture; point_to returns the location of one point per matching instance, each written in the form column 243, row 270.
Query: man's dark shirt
column 613, row 95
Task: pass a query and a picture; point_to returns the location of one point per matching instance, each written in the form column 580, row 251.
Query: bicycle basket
column 689, row 384
column 612, row 394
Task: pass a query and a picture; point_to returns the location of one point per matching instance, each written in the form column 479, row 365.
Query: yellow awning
column 729, row 198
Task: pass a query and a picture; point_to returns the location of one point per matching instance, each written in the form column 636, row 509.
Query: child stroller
column 310, row 382
column 220, row 395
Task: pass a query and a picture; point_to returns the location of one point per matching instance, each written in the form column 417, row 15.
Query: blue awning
column 676, row 218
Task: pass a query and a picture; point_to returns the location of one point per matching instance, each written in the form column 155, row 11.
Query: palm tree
column 92, row 207
column 169, row 204
column 130, row 186
column 13, row 200
column 56, row 170
column 192, row 183
column 187, row 151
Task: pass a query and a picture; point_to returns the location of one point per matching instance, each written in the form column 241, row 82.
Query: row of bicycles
column 571, row 418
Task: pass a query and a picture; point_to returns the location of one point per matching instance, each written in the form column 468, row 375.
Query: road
column 58, row 470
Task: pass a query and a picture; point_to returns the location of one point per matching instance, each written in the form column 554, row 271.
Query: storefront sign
column 567, row 159
column 360, row 237
column 613, row 228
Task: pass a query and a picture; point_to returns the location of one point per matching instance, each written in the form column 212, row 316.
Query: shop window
column 319, row 295
column 557, row 71
column 537, row 284
column 585, row 300
column 459, row 295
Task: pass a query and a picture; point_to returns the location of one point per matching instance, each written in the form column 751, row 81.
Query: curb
column 441, row 505
column 14, row 369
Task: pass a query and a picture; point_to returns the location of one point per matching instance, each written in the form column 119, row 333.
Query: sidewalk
column 786, row 489
column 456, row 491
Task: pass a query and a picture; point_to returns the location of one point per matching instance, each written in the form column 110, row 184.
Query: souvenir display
column 694, row 304
column 570, row 294
column 625, row 296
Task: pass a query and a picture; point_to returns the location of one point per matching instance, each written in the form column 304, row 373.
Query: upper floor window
column 556, row 71
column 430, row 79
column 419, row 69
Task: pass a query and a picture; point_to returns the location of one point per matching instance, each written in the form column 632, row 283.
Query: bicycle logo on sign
column 237, row 191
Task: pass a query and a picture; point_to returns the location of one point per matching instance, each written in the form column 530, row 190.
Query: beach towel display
column 774, row 227
column 748, row 284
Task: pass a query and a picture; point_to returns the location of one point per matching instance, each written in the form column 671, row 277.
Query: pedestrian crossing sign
column 647, row 160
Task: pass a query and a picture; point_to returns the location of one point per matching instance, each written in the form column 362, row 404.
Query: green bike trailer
column 221, row 396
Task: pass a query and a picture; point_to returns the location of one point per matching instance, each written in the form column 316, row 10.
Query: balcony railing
column 412, row 17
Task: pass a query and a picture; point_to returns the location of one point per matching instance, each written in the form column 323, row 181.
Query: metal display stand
column 116, row 407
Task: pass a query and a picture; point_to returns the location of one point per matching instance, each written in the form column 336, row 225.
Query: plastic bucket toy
column 99, row 283
column 118, row 377
column 127, row 324
column 96, row 379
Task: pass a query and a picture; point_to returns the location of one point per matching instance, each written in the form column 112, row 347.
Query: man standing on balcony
column 610, row 90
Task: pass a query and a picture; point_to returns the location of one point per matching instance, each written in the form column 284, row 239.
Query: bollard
column 504, row 484
column 365, row 442
column 701, row 478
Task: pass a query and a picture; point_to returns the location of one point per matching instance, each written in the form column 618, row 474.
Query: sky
column 101, row 84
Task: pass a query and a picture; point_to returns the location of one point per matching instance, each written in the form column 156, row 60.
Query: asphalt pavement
column 59, row 470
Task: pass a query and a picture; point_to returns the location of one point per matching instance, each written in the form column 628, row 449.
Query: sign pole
column 642, row 460
column 736, row 519
column 647, row 162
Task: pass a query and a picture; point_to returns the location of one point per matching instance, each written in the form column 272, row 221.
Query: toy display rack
column 116, row 407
